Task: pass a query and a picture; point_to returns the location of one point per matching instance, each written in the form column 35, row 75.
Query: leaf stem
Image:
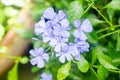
column 94, row 72
column 108, row 34
column 106, row 29
column 111, row 25
column 88, row 7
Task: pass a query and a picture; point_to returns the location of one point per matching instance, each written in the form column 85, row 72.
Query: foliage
column 102, row 62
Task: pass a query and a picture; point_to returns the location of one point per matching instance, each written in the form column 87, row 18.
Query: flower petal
column 77, row 23
column 86, row 26
column 62, row 59
column 40, row 63
column 49, row 13
column 34, row 61
column 45, row 56
column 61, row 15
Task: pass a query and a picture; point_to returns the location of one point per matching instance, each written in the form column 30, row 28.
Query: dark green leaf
column 92, row 37
column 114, row 4
column 34, row 69
column 63, row 71
column 102, row 73
column 118, row 43
column 83, row 65
column 75, row 10
column 13, row 73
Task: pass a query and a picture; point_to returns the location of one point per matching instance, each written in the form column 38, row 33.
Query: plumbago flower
column 81, row 28
column 54, row 29
column 39, row 57
column 45, row 76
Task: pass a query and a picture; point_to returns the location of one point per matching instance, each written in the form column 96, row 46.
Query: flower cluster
column 55, row 30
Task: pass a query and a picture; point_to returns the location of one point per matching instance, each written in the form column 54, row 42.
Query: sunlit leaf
column 83, row 65
column 75, row 10
column 92, row 37
column 63, row 71
column 114, row 4
column 2, row 31
column 24, row 60
column 13, row 73
column 102, row 73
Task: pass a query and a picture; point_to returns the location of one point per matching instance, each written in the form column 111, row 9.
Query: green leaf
column 114, row 4
column 63, row 71
column 118, row 42
column 83, row 65
column 35, row 69
column 93, row 19
column 2, row 31
column 13, row 73
column 75, row 10
column 102, row 73
column 110, row 13
column 92, row 37
column 106, row 61
column 119, row 20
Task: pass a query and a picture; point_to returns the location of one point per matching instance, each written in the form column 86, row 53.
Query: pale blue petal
column 65, row 34
column 86, row 26
column 45, row 56
column 68, row 56
column 64, row 23
column 61, row 15
column 49, row 13
column 53, row 42
column 62, row 59
column 77, row 23
column 57, row 48
column 34, row 61
column 40, row 63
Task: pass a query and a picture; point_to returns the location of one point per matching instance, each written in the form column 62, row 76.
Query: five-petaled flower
column 81, row 28
column 39, row 57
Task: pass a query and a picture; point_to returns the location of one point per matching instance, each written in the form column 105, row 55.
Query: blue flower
column 64, row 54
column 58, row 43
column 61, row 29
column 84, row 27
column 45, row 76
column 39, row 57
column 82, row 45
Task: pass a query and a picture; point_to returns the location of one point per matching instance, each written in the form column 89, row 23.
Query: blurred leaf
column 2, row 31
column 118, row 42
column 34, row 69
column 63, row 71
column 3, row 49
column 92, row 37
column 2, row 16
column 119, row 20
column 13, row 73
column 75, row 10
column 24, row 60
column 10, row 11
column 24, row 33
column 110, row 13
column 102, row 73
column 114, row 4
column 94, row 20
column 83, row 65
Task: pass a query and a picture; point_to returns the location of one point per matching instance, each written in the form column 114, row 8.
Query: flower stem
column 11, row 57
column 108, row 34
column 111, row 25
